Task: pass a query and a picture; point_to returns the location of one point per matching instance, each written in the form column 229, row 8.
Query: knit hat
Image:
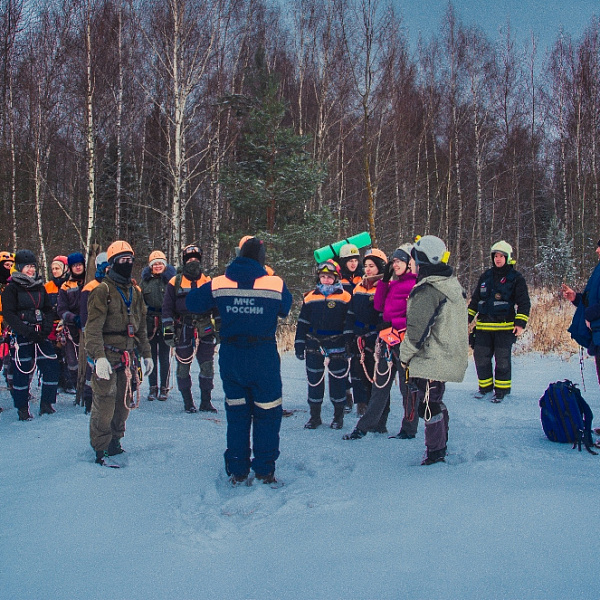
column 255, row 249
column 403, row 253
column 102, row 259
column 75, row 258
column 430, row 250
column 24, row 258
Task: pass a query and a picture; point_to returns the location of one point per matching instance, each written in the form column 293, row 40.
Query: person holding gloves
column 115, row 332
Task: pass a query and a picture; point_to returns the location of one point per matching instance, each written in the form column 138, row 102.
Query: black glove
column 472, row 339
column 169, row 335
column 388, row 271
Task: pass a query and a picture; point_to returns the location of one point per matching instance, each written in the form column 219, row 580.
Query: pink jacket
column 391, row 298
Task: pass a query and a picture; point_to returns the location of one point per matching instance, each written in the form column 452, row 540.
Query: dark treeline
column 164, row 122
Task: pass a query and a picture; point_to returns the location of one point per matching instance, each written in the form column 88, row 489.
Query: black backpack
column 566, row 416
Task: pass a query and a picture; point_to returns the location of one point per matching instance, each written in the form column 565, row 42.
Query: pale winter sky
column 545, row 18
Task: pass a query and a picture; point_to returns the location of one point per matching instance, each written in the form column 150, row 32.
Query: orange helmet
column 376, row 253
column 4, row 256
column 156, row 256
column 244, row 240
column 118, row 247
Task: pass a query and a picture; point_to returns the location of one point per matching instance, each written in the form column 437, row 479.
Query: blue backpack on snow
column 566, row 416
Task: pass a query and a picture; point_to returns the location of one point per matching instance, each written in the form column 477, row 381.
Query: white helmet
column 504, row 248
column 349, row 251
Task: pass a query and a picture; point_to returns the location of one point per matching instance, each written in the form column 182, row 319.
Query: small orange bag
column 391, row 336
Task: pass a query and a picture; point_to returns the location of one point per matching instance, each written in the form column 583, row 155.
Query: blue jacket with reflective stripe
column 249, row 301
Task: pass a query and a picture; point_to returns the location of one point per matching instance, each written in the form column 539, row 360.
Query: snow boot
column 164, row 394
column 434, row 456
column 46, row 408
column 402, row 435
column 479, row 394
column 357, row 434
column 361, row 409
column 205, row 402
column 349, row 402
column 239, row 479
column 497, row 397
column 153, row 393
column 114, row 447
column 103, row 459
column 270, row 478
column 339, row 408
column 315, row 416
column 25, row 415
column 188, row 402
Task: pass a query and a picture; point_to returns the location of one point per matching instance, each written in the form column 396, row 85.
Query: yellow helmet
column 4, row 256
column 118, row 247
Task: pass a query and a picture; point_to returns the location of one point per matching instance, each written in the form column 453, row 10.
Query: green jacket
column 436, row 343
column 108, row 320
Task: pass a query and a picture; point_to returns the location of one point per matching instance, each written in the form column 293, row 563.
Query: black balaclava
column 123, row 269
column 192, row 269
column 4, row 273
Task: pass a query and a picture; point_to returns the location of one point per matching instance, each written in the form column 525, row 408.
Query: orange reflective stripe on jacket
column 268, row 286
column 186, row 284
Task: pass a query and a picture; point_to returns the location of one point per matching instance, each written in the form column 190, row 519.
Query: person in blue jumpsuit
column 249, row 302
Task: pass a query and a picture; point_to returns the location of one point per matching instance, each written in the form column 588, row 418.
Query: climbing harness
column 190, row 359
column 427, row 412
column 327, row 353
column 387, row 355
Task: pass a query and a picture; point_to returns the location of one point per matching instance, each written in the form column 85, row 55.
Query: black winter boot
column 25, row 415
column 357, row 434
column 434, row 456
column 205, row 401
column 315, row 416
column 46, row 408
column 349, row 402
column 114, row 447
column 188, row 402
column 164, row 394
column 153, row 394
column 338, row 415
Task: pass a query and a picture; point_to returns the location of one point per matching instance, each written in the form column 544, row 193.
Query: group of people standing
column 367, row 320
column 406, row 316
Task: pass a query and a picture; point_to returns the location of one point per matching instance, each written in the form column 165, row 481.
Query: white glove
column 103, row 368
column 148, row 366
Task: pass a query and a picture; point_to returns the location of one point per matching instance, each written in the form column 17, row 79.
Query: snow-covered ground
column 509, row 515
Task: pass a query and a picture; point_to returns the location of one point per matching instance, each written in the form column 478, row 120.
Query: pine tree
column 557, row 263
column 272, row 179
